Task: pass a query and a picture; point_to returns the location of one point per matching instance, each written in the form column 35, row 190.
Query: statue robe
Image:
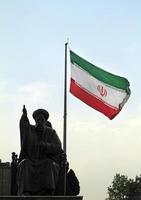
column 38, row 167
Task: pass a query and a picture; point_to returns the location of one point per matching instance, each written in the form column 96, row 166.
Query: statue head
column 40, row 116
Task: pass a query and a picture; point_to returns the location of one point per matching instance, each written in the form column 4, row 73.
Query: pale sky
column 106, row 33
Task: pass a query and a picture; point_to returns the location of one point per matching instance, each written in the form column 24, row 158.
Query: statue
column 14, row 165
column 72, row 183
column 38, row 167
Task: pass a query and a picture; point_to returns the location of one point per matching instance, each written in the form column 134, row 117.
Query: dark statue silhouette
column 40, row 167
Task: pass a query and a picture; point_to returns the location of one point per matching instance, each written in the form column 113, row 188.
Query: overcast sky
column 106, row 33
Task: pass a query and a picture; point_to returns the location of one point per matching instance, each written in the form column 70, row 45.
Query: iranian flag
column 103, row 91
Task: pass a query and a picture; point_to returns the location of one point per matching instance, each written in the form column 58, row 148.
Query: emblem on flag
column 102, row 90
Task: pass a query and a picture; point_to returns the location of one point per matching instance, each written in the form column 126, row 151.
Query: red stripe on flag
column 92, row 101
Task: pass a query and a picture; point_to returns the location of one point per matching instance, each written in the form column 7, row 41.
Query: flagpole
column 65, row 102
column 65, row 115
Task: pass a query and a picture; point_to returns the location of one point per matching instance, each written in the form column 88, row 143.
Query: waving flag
column 103, row 91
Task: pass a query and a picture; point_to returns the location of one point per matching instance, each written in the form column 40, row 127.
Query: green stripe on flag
column 100, row 74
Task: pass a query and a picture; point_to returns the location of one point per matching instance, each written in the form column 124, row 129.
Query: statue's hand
column 24, row 110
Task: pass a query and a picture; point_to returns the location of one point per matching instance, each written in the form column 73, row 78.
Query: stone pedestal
column 41, row 197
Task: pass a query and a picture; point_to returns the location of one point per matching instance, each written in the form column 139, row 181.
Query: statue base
column 41, row 197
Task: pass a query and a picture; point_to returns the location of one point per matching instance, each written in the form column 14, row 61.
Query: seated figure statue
column 38, row 167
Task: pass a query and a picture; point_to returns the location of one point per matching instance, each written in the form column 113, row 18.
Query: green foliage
column 123, row 188
column 120, row 188
column 135, row 189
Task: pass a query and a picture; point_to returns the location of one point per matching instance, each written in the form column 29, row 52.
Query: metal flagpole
column 65, row 115
column 65, row 102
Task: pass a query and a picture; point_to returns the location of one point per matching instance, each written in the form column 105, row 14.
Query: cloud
column 140, row 107
column 32, row 93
